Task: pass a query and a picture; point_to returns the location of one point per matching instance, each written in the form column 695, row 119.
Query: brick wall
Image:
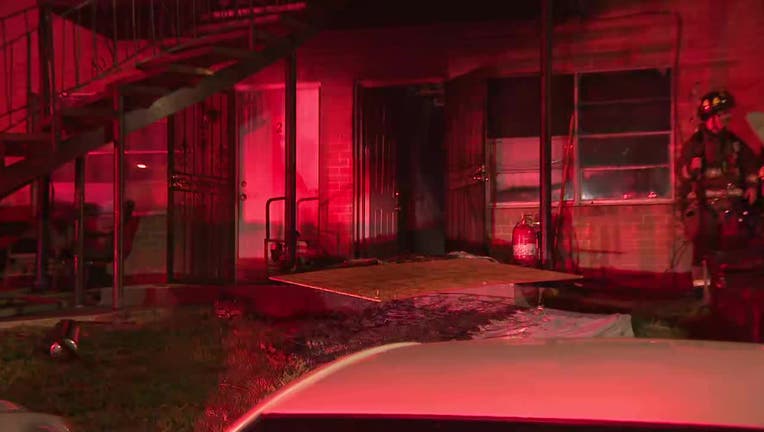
column 636, row 238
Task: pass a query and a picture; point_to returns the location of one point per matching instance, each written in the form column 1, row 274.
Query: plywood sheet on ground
column 395, row 281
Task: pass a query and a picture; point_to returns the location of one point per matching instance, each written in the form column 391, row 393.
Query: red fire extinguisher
column 525, row 250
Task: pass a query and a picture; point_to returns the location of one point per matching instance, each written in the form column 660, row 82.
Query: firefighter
column 719, row 182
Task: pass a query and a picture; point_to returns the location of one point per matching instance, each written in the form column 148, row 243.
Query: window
column 622, row 136
column 514, row 124
column 145, row 173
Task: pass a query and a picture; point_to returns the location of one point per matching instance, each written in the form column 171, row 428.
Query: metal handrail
column 268, row 215
column 268, row 240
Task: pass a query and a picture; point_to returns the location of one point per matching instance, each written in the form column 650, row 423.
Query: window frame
column 577, row 177
column 163, row 182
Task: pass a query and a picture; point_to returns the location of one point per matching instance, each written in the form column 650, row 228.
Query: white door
column 261, row 171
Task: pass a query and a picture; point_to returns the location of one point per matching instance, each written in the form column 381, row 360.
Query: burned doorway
column 467, row 176
column 201, row 206
column 399, row 171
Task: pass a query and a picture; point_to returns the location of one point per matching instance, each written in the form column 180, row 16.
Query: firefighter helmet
column 715, row 102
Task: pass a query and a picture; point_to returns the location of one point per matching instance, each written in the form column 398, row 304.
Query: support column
column 545, row 159
column 42, row 212
column 47, row 110
column 170, row 247
column 290, row 157
column 80, row 282
column 119, row 135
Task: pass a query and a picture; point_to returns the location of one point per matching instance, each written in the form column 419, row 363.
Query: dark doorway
column 201, row 206
column 400, row 171
column 467, row 184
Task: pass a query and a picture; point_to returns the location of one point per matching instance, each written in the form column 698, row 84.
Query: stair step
column 138, row 89
column 226, row 37
column 197, row 61
column 90, row 112
column 164, row 60
column 192, row 70
column 34, row 137
column 235, row 53
column 257, row 22
column 142, row 96
column 167, row 79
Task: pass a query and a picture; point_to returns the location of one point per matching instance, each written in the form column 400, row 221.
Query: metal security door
column 465, row 102
column 376, row 170
column 201, row 199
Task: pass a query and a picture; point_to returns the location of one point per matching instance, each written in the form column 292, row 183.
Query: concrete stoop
column 282, row 300
column 287, row 301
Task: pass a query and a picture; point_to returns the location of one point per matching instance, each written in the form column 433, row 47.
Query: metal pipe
column 45, row 42
column 94, row 34
column 545, row 153
column 356, row 170
column 42, row 195
column 29, row 67
column 43, row 233
column 115, row 26
column 7, row 66
column 290, row 158
column 76, row 42
column 171, row 213
column 119, row 135
column 151, row 22
column 232, row 155
column 267, row 242
column 79, row 232
column 268, row 215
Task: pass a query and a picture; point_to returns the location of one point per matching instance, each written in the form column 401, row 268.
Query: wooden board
column 396, row 281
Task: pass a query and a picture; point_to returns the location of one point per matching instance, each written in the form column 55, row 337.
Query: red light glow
column 141, row 166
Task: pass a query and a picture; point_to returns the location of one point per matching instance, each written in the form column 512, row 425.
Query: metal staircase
column 78, row 74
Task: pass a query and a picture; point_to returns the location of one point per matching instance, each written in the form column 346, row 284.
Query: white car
column 15, row 418
column 539, row 385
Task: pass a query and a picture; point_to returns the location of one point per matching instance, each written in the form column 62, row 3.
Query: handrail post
column 267, row 240
column 290, row 157
column 80, row 282
column 119, row 139
column 47, row 110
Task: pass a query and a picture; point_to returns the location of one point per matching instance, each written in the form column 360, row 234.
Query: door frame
column 359, row 159
column 248, row 87
column 171, row 220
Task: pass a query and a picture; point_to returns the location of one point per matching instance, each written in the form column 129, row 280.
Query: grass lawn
column 188, row 372
column 195, row 372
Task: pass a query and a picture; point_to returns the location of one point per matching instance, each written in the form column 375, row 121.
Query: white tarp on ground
column 551, row 323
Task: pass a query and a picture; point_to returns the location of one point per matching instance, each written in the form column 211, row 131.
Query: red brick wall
column 637, row 238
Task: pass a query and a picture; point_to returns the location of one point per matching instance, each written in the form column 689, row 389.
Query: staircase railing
column 96, row 40
column 17, row 31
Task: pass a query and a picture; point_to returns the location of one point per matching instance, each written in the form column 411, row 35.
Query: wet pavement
column 428, row 318
column 439, row 317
